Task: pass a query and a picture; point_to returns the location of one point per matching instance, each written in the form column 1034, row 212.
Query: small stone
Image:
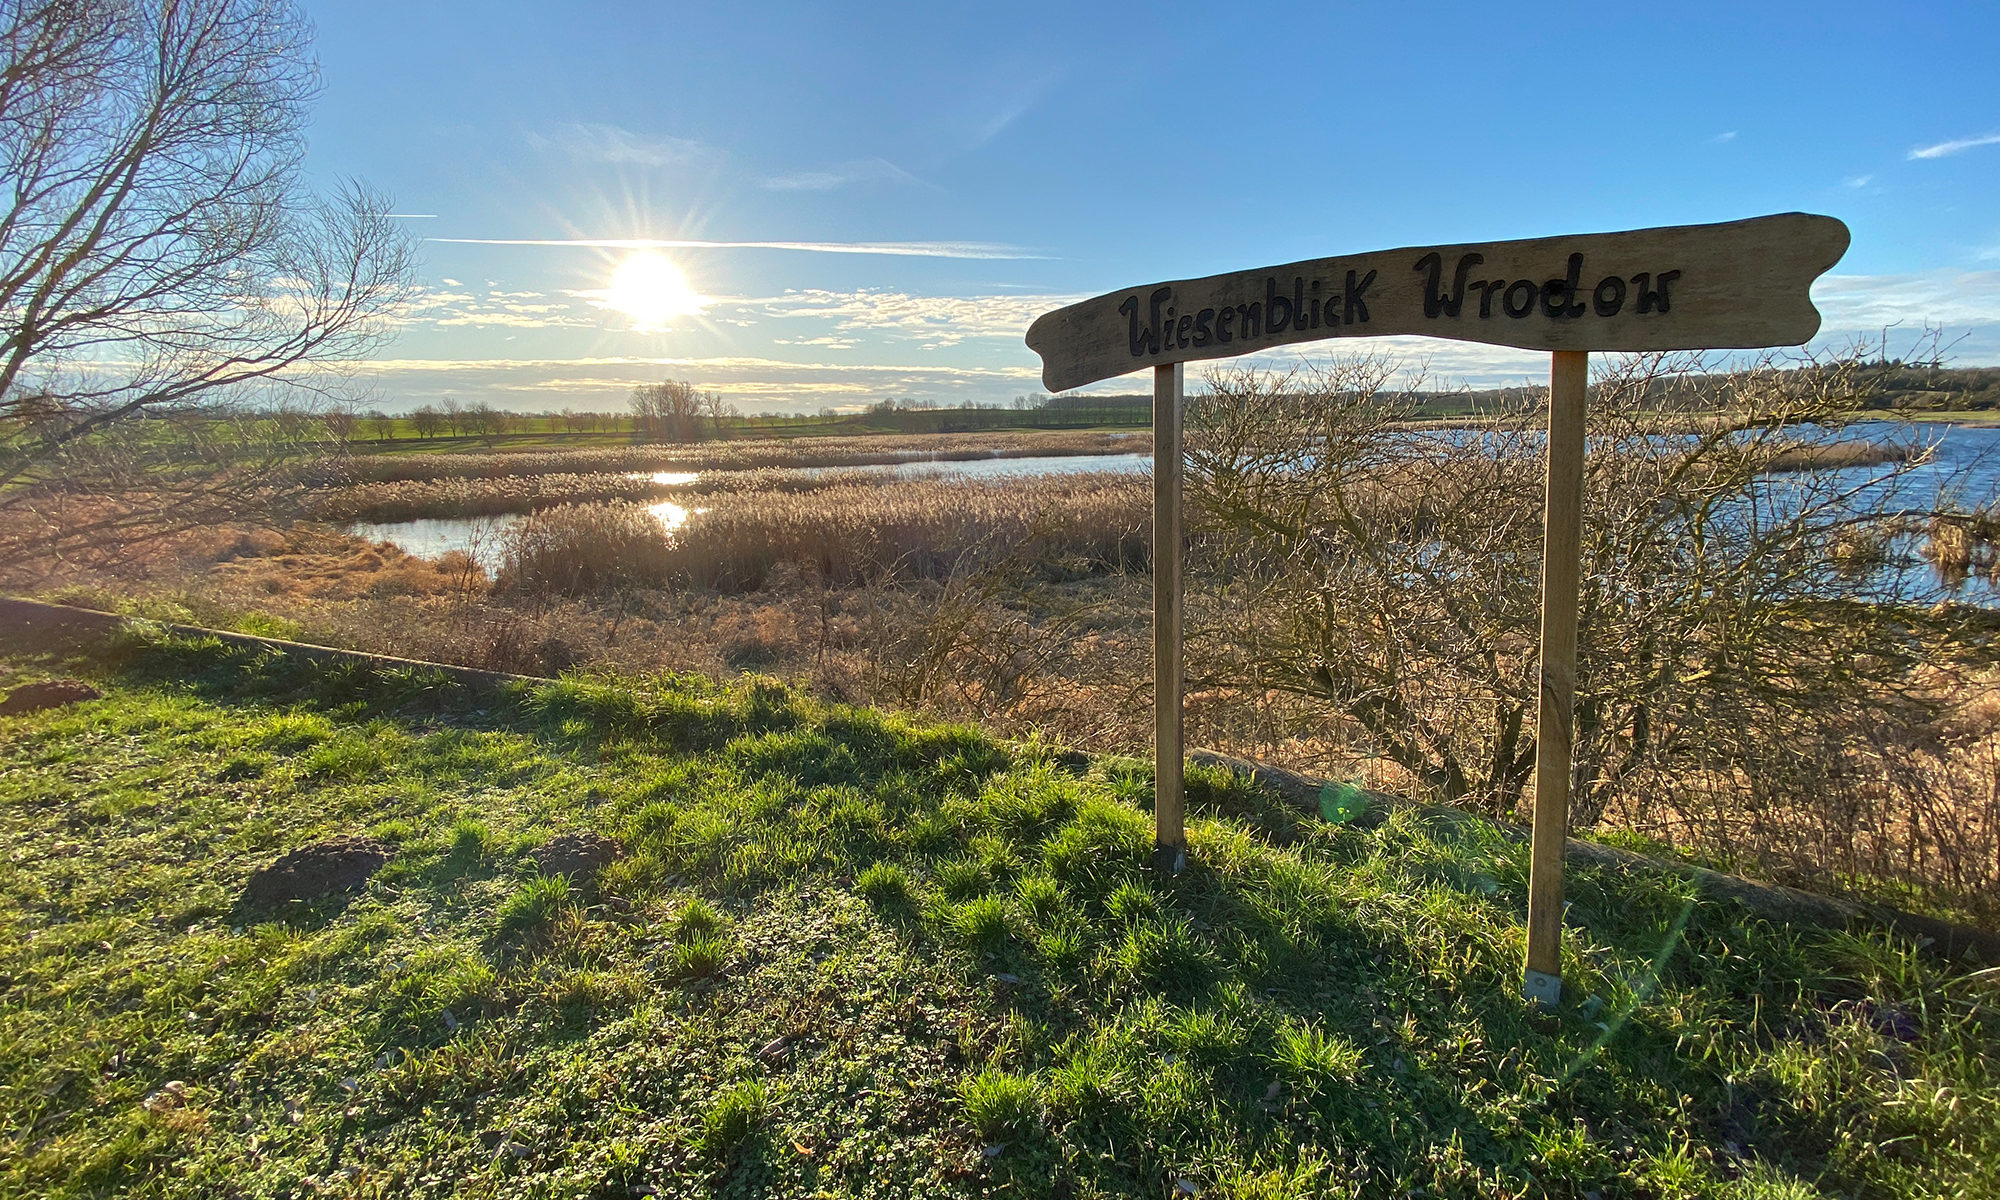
column 171, row 1095
column 52, row 693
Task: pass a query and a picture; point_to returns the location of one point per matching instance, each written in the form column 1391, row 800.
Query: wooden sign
column 1741, row 284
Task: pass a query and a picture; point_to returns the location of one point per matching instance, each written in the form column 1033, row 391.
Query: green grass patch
column 852, row 954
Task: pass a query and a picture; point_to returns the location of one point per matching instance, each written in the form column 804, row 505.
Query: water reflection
column 671, row 516
column 484, row 538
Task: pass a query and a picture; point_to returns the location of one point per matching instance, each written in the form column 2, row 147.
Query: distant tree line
column 679, row 411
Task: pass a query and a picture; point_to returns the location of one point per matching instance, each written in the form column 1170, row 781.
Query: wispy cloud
column 934, row 321
column 1015, row 103
column 847, row 174
column 591, row 142
column 1726, row 136
column 1858, row 181
column 1955, row 146
column 899, row 249
column 455, row 306
column 1858, row 303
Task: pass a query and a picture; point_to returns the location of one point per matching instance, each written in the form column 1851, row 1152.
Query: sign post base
column 1542, row 989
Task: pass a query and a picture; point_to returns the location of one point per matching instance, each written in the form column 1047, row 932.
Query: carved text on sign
column 1739, row 284
column 1559, row 298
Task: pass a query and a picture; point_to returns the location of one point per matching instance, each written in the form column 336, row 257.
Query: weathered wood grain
column 1739, row 284
column 1169, row 803
column 1562, row 551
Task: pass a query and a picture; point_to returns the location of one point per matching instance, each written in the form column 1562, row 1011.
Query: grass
column 854, row 954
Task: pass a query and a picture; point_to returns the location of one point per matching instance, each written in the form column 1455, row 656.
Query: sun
column 648, row 288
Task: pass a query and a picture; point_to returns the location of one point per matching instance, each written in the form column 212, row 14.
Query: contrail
column 903, row 249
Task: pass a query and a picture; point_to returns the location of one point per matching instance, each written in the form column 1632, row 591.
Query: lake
column 1964, row 465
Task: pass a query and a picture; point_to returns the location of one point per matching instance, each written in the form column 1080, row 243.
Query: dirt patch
column 578, row 855
column 317, row 871
column 53, row 693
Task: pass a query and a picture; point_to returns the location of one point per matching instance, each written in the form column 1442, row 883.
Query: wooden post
column 1562, row 548
column 1169, row 817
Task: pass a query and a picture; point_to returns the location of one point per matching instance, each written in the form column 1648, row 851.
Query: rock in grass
column 52, row 693
column 317, row 871
column 578, row 855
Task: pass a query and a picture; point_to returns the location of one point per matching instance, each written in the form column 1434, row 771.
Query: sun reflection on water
column 672, row 516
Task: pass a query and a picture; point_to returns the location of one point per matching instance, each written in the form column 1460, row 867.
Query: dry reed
column 1833, row 456
column 1067, row 525
column 577, row 549
column 739, row 455
column 924, row 529
column 409, row 500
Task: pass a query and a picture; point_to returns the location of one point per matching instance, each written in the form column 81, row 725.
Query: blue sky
column 1016, row 157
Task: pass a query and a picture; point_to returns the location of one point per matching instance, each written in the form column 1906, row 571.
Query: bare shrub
column 1724, row 662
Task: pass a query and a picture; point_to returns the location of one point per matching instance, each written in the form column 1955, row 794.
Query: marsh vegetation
column 1787, row 665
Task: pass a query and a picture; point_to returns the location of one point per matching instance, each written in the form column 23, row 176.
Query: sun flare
column 650, row 290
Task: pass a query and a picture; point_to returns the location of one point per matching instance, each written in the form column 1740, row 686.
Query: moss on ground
column 850, row 954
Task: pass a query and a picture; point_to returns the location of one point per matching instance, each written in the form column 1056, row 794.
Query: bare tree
column 670, row 411
column 718, row 412
column 427, row 421
column 160, row 252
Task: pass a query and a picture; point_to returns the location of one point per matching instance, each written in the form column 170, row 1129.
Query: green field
column 854, row 954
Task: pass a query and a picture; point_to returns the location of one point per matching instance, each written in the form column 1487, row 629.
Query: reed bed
column 1834, row 456
column 409, row 500
column 578, row 549
column 922, row 529
column 842, row 535
column 745, row 454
